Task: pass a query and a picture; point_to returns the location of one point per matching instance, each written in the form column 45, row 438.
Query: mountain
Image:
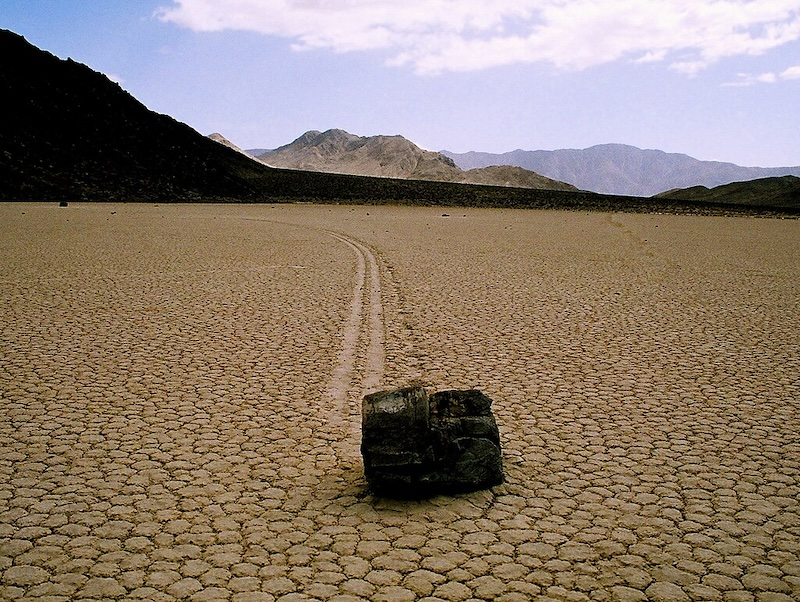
column 341, row 152
column 217, row 137
column 777, row 192
column 75, row 134
column 338, row 151
column 72, row 134
column 622, row 169
column 507, row 175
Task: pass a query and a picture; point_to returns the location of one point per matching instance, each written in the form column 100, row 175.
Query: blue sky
column 718, row 80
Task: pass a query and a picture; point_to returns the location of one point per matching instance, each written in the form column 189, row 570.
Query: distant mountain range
column 622, row 169
column 338, row 151
column 616, row 169
column 72, row 134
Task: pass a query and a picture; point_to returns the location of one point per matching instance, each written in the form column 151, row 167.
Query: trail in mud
column 362, row 339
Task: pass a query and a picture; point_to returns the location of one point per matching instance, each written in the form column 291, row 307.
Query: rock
column 415, row 445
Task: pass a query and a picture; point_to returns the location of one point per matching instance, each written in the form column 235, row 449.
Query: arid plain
column 181, row 387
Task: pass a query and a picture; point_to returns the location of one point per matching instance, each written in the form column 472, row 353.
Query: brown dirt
column 171, row 425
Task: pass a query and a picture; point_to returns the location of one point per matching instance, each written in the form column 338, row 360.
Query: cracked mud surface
column 181, row 394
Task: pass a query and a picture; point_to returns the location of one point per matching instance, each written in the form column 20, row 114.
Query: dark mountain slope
column 775, row 192
column 69, row 132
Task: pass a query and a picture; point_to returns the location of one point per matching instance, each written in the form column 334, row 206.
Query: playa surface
column 181, row 386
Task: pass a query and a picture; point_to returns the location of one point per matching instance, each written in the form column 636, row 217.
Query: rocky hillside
column 622, row 169
column 506, row 175
column 337, row 151
column 71, row 133
column 776, row 192
column 217, row 137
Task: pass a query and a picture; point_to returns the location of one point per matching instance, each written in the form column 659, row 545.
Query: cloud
column 749, row 79
column 432, row 36
column 791, row 73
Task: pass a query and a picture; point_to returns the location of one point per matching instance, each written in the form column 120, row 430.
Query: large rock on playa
column 415, row 444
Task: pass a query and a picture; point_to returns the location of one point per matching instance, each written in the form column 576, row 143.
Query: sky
column 717, row 80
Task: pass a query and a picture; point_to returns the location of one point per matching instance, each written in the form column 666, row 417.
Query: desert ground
column 181, row 389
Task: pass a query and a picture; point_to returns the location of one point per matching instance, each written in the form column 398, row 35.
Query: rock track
column 179, row 388
column 366, row 327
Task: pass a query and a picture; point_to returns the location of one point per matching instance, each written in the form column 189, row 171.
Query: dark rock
column 415, row 445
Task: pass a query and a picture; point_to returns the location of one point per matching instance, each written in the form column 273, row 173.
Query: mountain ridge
column 338, row 151
column 74, row 135
column 781, row 191
column 616, row 168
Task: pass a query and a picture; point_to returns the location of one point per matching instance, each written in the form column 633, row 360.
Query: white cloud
column 791, row 73
column 749, row 79
column 433, row 36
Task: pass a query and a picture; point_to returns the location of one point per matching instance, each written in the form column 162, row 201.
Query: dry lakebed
column 181, row 391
